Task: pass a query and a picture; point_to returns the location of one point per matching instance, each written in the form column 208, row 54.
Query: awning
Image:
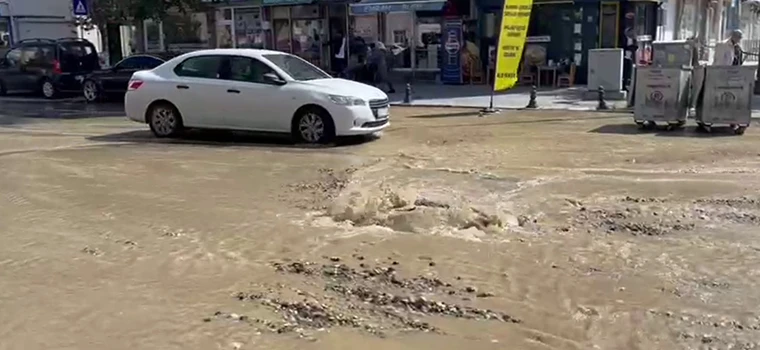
column 286, row 2
column 375, row 6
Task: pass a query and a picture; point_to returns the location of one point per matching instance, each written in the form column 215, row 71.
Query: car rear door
column 77, row 58
column 197, row 91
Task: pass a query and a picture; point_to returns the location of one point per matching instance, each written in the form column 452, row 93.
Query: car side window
column 13, row 58
column 29, row 55
column 248, row 69
column 150, row 62
column 199, row 67
column 129, row 63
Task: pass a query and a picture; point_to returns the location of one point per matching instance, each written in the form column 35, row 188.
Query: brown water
column 531, row 231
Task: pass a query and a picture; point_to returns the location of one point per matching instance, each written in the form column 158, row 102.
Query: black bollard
column 602, row 104
column 532, row 102
column 408, row 93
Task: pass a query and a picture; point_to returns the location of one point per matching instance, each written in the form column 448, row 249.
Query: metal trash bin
column 662, row 95
column 726, row 97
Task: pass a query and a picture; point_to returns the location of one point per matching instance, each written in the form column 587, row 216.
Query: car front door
column 255, row 103
column 10, row 71
column 198, row 92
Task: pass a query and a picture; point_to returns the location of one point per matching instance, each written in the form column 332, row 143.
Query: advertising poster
column 514, row 28
column 451, row 68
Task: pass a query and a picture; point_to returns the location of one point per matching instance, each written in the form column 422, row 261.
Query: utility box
column 605, row 68
column 662, row 95
column 726, row 97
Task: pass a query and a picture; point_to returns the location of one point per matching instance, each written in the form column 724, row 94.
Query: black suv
column 47, row 66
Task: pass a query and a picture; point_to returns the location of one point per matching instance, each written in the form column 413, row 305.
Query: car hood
column 345, row 87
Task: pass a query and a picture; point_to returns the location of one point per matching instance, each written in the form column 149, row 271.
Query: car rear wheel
column 313, row 125
column 164, row 120
column 48, row 89
column 90, row 91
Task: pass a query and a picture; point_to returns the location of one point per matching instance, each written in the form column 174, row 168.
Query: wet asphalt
column 29, row 106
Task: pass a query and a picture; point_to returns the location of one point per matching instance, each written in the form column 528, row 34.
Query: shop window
column 185, row 32
column 427, row 42
column 249, row 29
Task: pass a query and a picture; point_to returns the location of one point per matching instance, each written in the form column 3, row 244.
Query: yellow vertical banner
column 514, row 29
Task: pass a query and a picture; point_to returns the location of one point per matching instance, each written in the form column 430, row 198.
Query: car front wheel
column 90, row 91
column 164, row 120
column 313, row 125
column 48, row 89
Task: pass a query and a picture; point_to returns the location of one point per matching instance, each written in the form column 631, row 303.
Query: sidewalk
column 431, row 95
column 517, row 98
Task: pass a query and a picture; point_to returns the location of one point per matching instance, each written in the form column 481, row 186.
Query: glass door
column 224, row 29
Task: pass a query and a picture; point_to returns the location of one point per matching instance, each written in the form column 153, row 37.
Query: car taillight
column 134, row 84
column 57, row 67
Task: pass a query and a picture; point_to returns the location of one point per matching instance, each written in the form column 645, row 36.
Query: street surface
column 522, row 230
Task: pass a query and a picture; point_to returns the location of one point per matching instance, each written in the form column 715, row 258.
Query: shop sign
column 451, row 70
column 367, row 8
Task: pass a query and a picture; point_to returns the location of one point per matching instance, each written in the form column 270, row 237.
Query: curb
column 611, row 110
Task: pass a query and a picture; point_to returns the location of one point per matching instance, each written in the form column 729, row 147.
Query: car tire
column 164, row 120
column 313, row 125
column 48, row 89
column 91, row 91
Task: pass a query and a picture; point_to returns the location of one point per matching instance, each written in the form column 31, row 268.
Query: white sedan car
column 256, row 90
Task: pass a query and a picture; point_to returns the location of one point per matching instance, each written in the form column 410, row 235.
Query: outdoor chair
column 526, row 75
column 567, row 79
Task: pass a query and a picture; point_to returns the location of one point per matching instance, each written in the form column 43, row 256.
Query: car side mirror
column 274, row 79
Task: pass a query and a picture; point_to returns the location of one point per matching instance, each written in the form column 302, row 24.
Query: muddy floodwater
column 545, row 230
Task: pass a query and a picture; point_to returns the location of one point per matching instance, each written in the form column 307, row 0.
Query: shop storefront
column 414, row 32
column 312, row 30
column 561, row 33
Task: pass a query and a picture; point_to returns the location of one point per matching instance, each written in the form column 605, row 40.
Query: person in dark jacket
column 378, row 63
column 735, row 40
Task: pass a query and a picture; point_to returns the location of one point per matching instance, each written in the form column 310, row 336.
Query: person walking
column 735, row 40
column 378, row 62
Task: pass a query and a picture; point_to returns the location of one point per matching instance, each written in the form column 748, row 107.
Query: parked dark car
column 112, row 82
column 47, row 66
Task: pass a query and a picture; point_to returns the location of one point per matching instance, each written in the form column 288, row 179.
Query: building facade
column 25, row 19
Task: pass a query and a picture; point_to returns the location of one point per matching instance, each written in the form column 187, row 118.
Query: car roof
column 256, row 53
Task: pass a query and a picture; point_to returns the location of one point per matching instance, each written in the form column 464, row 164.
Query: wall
column 41, row 18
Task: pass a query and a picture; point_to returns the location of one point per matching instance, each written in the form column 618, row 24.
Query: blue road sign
column 80, row 8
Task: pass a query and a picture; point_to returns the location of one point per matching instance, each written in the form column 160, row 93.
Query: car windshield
column 296, row 67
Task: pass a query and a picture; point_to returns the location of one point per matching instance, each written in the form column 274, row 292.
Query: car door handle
column 233, row 91
column 183, row 87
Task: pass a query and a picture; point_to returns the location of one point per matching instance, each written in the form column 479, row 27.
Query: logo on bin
column 725, row 100
column 655, row 99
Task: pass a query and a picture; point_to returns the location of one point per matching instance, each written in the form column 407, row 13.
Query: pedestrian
column 735, row 40
column 378, row 62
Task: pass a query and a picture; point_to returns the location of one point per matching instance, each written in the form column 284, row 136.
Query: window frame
column 136, row 57
column 178, row 67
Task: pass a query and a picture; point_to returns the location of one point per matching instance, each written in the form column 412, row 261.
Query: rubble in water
column 374, row 299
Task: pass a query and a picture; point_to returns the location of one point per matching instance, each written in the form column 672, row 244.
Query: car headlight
column 347, row 100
